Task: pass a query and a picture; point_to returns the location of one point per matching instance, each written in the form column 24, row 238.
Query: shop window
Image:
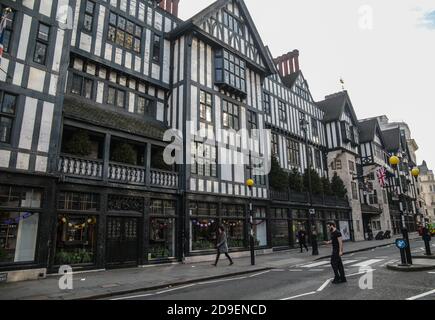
column 7, row 116
column 79, row 201
column 204, row 224
column 18, row 236
column 41, row 45
column 260, row 227
column 234, row 221
column 76, row 240
column 280, row 227
column 18, row 197
column 162, row 230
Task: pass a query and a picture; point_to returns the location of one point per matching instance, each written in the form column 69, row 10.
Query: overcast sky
column 387, row 62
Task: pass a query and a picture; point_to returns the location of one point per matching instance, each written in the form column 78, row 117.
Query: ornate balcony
column 303, row 198
column 85, row 168
column 75, row 167
column 129, row 174
column 164, row 179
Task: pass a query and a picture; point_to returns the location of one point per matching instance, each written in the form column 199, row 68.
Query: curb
column 413, row 268
column 163, row 286
column 432, row 257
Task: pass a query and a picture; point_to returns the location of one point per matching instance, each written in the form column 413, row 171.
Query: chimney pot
column 288, row 63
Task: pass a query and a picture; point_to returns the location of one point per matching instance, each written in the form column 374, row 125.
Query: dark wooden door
column 122, row 241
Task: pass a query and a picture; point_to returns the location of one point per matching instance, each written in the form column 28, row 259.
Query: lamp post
column 250, row 184
column 406, row 256
column 312, row 213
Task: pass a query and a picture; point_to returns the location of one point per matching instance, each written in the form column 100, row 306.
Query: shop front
column 113, row 228
column 25, row 215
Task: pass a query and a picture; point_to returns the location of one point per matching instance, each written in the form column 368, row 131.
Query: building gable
column 229, row 22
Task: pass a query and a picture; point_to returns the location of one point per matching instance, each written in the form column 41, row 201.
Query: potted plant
column 124, row 153
column 79, row 144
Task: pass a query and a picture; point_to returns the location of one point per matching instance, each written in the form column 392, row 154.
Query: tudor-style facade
column 341, row 127
column 374, row 196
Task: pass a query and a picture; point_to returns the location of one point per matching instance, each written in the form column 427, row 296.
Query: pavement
column 114, row 283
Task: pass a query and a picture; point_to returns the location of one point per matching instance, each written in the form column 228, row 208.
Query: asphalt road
column 312, row 281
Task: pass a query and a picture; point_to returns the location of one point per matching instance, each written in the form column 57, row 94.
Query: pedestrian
column 302, row 238
column 337, row 253
column 369, row 233
column 222, row 246
column 314, row 243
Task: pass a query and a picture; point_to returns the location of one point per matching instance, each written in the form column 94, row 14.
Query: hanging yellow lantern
column 63, row 220
column 415, row 172
column 70, row 225
column 394, row 160
column 250, row 183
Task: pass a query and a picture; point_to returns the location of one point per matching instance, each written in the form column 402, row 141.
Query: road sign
column 401, row 244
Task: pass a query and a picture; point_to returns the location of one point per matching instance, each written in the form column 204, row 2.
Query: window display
column 76, row 240
column 18, row 236
column 260, row 227
column 204, row 224
column 234, row 222
column 162, row 230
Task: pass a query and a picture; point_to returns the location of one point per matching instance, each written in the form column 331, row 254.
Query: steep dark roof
column 290, row 80
column 197, row 20
column 367, row 130
column 392, row 139
column 92, row 114
column 334, row 105
column 424, row 168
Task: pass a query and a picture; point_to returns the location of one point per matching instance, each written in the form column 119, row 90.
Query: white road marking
column 133, row 297
column 346, row 262
column 317, row 264
column 295, row 270
column 359, row 273
column 222, row 280
column 421, row 295
column 327, row 282
column 298, row 296
column 174, row 289
column 431, row 272
column 259, row 274
column 316, row 270
column 277, row 270
column 367, row 263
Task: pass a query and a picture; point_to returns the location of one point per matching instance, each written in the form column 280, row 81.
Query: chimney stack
column 170, row 6
column 288, row 64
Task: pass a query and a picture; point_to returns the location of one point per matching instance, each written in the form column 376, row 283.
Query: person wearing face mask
column 337, row 253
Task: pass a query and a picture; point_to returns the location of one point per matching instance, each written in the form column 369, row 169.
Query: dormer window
column 230, row 72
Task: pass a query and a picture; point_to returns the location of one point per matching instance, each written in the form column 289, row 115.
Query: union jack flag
column 3, row 22
column 382, row 176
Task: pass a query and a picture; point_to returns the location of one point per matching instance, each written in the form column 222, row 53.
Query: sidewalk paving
column 101, row 284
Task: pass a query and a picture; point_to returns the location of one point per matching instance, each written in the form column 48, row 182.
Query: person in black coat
column 314, row 242
column 302, row 237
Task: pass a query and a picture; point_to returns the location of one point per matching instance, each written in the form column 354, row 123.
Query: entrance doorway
column 122, row 241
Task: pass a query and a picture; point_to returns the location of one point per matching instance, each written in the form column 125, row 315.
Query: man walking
column 302, row 238
column 337, row 253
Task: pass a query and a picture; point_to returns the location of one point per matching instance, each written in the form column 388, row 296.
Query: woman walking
column 222, row 246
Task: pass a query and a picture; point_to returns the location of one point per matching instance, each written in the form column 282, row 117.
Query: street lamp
column 406, row 256
column 250, row 184
column 312, row 213
column 426, row 236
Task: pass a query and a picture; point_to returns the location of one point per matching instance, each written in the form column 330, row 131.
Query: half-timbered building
column 374, row 180
column 341, row 126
